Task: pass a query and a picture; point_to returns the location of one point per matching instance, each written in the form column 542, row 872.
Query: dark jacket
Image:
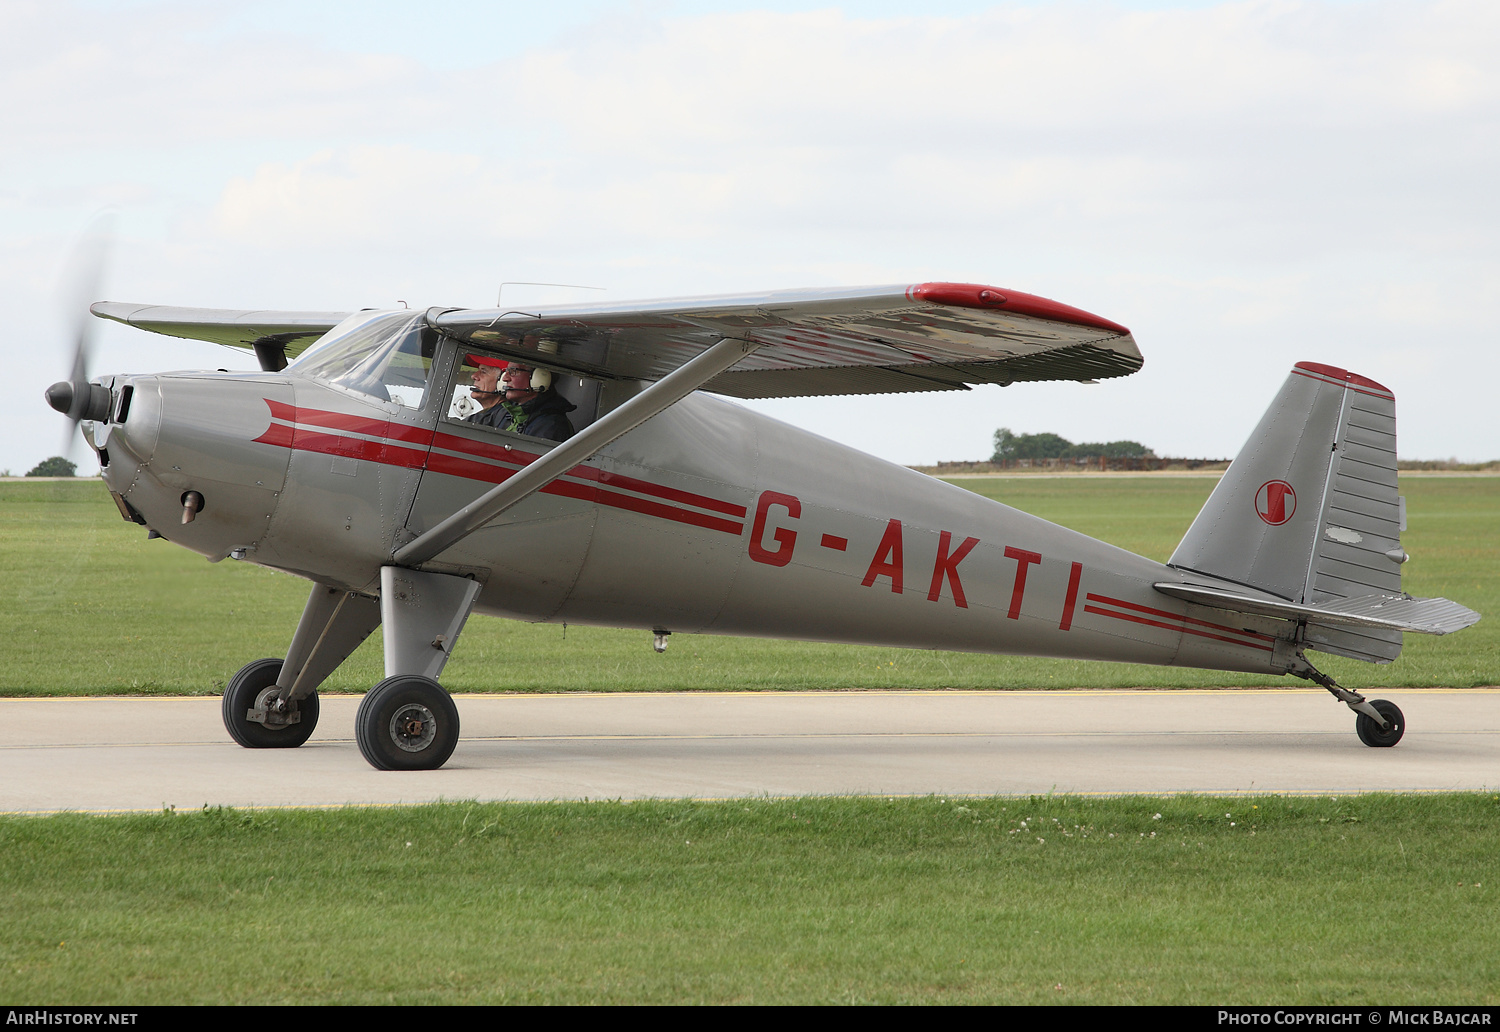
column 545, row 415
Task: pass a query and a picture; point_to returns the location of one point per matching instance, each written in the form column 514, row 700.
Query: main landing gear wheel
column 407, row 722
column 1372, row 734
column 250, row 689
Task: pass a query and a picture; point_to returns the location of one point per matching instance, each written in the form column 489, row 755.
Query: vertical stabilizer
column 1309, row 510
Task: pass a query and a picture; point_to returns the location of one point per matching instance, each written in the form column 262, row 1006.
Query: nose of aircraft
column 79, row 400
column 206, row 480
column 180, row 451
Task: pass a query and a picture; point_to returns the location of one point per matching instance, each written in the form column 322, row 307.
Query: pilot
column 484, row 387
column 519, row 398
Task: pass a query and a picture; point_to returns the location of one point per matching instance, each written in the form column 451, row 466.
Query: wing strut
column 662, row 394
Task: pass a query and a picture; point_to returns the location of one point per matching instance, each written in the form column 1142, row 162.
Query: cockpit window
column 385, row 355
column 515, row 395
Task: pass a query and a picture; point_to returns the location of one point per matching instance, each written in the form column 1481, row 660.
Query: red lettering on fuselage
column 946, row 567
column 1023, row 559
column 1072, row 600
column 785, row 539
column 888, row 561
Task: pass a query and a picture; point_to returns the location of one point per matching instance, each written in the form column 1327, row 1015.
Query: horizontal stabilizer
column 1391, row 612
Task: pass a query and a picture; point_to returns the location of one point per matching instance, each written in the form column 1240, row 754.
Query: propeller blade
column 82, row 279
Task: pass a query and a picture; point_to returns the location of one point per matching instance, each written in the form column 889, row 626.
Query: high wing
column 866, row 340
column 869, row 340
column 234, row 327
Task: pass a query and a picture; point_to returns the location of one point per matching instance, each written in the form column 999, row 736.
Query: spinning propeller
column 75, row 397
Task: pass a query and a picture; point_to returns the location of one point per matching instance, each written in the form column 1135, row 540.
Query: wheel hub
column 272, row 709
column 413, row 727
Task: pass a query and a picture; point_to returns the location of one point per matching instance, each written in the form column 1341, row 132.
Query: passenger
column 524, row 403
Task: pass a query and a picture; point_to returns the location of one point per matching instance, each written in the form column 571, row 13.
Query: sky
column 1244, row 184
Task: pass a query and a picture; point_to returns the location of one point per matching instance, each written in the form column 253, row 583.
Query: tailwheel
column 1372, row 734
column 1378, row 734
column 255, row 714
column 407, row 722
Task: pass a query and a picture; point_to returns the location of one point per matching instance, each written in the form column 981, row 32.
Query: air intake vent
column 122, row 411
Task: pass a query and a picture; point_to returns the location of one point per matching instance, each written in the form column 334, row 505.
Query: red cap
column 485, row 360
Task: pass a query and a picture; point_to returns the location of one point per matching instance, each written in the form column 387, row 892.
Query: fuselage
column 708, row 518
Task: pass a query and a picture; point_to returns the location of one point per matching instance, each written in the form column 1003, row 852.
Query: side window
column 476, row 387
column 507, row 395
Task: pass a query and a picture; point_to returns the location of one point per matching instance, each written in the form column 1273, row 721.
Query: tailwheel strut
column 1379, row 722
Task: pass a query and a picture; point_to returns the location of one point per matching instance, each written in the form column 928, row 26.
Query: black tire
column 1375, row 736
column 242, row 694
column 407, row 722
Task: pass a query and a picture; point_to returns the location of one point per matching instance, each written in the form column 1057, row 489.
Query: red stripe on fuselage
column 1173, row 627
column 1180, row 622
column 345, row 421
column 468, row 469
column 484, row 449
column 298, row 438
column 358, row 448
column 643, row 505
column 525, row 458
column 1175, row 616
column 659, row 490
column 278, row 434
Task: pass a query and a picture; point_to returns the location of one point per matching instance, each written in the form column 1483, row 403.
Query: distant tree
column 1113, row 450
column 1029, row 446
column 1010, row 446
column 1005, row 445
column 1043, row 446
column 57, row 466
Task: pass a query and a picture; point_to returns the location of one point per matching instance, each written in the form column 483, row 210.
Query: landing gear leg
column 271, row 704
column 408, row 721
column 1378, row 723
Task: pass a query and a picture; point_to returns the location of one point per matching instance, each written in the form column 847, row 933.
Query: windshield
column 387, row 355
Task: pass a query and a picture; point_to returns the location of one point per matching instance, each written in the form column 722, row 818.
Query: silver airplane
column 672, row 510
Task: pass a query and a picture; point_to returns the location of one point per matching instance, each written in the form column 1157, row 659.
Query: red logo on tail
column 1275, row 502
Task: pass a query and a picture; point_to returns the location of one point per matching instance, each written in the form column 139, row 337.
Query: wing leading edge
column 233, row 327
column 872, row 340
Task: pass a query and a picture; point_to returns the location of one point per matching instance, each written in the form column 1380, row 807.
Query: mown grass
column 92, row 608
column 1367, row 899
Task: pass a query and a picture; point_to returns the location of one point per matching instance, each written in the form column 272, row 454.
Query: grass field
column 1365, row 899
column 1369, row 899
column 93, row 608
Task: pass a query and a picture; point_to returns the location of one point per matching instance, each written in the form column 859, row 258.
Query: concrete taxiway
column 146, row 753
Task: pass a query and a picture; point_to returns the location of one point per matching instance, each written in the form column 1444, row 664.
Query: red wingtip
column 1335, row 373
column 976, row 295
